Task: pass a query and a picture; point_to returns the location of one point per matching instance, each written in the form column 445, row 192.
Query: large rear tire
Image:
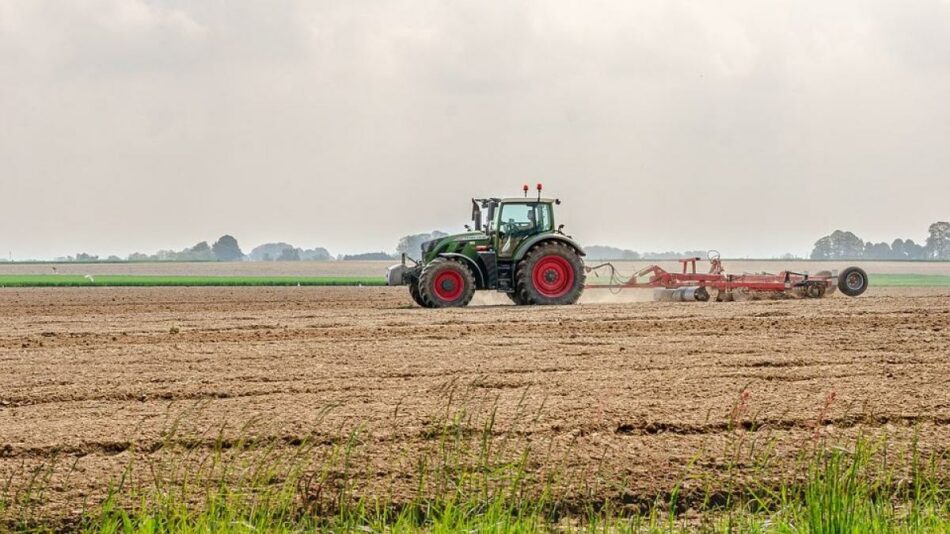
column 853, row 281
column 550, row 273
column 446, row 283
column 516, row 298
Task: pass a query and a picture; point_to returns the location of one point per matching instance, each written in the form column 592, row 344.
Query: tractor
column 515, row 248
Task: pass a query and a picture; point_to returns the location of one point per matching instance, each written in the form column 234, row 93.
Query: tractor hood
column 452, row 243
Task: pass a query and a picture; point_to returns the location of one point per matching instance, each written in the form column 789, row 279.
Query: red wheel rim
column 448, row 285
column 553, row 276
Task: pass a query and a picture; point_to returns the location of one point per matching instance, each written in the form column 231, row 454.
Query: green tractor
column 515, row 248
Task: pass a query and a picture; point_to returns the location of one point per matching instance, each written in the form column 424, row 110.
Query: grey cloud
column 145, row 125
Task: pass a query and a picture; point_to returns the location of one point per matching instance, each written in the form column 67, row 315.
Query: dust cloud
column 590, row 296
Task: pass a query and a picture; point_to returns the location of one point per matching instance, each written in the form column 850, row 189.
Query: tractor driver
column 522, row 227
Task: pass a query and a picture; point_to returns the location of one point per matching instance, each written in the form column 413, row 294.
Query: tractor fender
column 529, row 243
column 476, row 268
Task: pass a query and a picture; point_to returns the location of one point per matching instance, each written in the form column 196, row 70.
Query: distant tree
column 938, row 242
column 165, row 255
column 913, row 251
column 367, row 256
column 877, row 251
column 603, row 252
column 847, row 245
column 315, row 254
column 113, row 258
column 289, row 254
column 199, row 252
column 139, row 256
column 268, row 251
column 412, row 244
column 838, row 246
column 824, row 249
column 226, row 249
column 82, row 256
column 673, row 255
column 897, row 249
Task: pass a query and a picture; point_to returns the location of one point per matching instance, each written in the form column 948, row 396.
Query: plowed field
column 625, row 397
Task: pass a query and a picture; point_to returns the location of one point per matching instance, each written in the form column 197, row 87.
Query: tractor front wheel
column 446, row 283
column 416, row 296
column 551, row 273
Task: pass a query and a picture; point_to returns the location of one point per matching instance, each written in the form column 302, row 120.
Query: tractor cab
column 509, row 222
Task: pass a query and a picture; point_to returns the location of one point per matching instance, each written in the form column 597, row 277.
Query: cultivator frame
column 690, row 285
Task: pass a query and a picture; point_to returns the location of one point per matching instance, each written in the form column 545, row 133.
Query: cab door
column 518, row 221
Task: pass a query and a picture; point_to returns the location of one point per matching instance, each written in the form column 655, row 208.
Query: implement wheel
column 831, row 288
column 853, row 281
column 815, row 291
column 551, row 273
column 446, row 283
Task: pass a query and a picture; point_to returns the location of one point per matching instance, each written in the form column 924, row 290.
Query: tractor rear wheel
column 516, row 298
column 551, row 273
column 446, row 283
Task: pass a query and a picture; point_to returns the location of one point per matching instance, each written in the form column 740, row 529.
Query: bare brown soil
column 623, row 398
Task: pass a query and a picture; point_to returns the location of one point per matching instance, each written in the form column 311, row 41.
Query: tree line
column 226, row 248
column 837, row 245
column 842, row 245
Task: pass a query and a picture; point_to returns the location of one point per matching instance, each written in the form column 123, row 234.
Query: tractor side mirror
column 467, row 228
column 559, row 228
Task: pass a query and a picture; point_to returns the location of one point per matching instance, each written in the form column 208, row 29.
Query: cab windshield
column 524, row 218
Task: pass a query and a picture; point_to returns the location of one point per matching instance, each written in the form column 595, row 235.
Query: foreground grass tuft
column 471, row 476
column 839, row 496
column 841, row 491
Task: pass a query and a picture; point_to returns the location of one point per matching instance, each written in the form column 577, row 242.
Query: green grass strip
column 909, row 280
column 69, row 280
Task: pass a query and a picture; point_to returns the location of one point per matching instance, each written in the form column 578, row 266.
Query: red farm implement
column 689, row 285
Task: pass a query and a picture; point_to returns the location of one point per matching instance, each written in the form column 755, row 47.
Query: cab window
column 524, row 218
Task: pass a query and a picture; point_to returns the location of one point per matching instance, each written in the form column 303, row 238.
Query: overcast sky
column 751, row 127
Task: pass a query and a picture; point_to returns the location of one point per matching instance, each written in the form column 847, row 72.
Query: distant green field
column 66, row 280
column 909, row 280
column 119, row 280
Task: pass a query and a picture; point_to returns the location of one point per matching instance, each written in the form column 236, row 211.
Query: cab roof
column 522, row 200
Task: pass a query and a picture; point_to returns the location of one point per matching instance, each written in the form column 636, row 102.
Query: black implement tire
column 853, row 281
column 416, row 296
column 814, row 291
column 446, row 283
column 550, row 273
column 831, row 288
